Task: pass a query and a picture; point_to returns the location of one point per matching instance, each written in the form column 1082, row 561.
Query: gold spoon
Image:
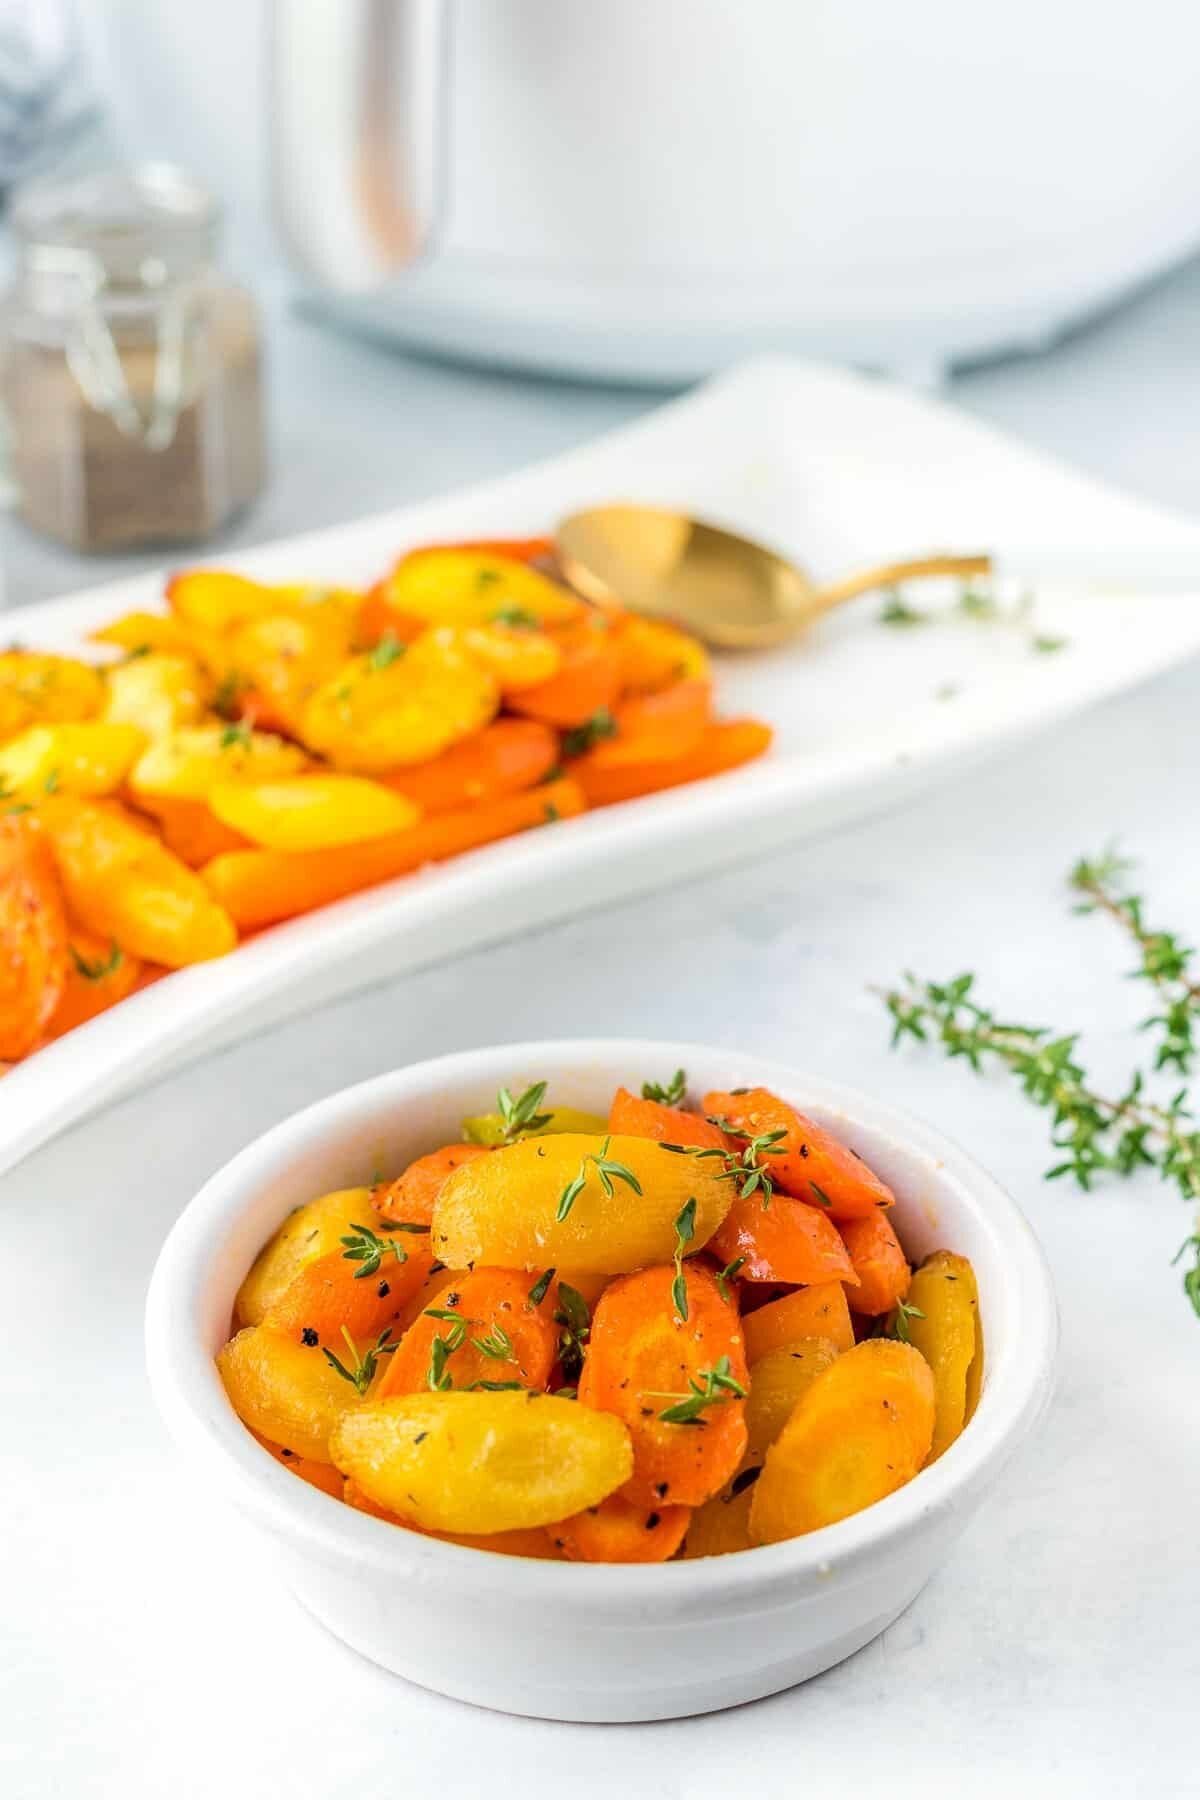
column 726, row 589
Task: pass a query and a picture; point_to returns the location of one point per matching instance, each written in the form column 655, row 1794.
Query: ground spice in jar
column 131, row 373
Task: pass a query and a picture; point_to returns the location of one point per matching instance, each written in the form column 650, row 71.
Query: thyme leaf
column 607, row 1170
column 671, row 1095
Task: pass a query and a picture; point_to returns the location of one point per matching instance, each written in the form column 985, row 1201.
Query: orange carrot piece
column 618, row 1532
column 331, row 1293
column 817, row 1311
column 659, row 727
column 260, row 887
column 587, row 683
column 722, row 747
column 641, row 1358
column 318, row 1475
column 523, row 550
column 879, row 1263
column 530, row 1540
column 33, row 937
column 411, row 1196
column 189, row 828
column 495, row 1306
column 98, row 975
column 815, row 1166
column 507, row 757
column 785, row 1241
column 630, row 1117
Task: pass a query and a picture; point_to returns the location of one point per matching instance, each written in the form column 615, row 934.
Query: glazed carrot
column 507, row 757
column 818, row 1311
column 497, row 1334
column 879, row 1263
column 331, row 1295
column 785, row 1241
column 259, row 887
column 587, row 683
column 411, row 1195
column 656, row 727
column 34, row 957
column 532, row 1540
column 618, row 1532
column 861, row 1429
column 722, row 747
column 98, row 975
column 631, row 1117
column 815, row 1166
column 318, row 1475
column 189, row 828
column 642, row 1360
column 524, row 550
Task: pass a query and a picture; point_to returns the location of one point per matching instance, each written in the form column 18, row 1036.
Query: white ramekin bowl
column 569, row 1640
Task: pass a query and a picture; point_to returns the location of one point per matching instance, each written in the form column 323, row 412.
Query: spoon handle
column 1155, row 570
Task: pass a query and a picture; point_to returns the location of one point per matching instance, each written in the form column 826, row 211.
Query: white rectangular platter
column 833, row 468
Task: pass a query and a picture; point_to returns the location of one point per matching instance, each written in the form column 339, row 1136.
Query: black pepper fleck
column 383, row 1290
column 308, row 1336
column 653, row 1520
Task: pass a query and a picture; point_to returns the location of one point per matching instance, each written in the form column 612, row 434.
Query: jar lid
column 142, row 223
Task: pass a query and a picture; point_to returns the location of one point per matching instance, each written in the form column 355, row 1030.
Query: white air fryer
column 645, row 189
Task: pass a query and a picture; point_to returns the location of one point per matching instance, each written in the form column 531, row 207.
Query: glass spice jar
column 130, row 371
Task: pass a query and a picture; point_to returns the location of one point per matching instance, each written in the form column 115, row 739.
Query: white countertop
column 145, row 1649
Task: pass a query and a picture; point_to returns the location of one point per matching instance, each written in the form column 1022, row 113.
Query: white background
column 144, row 1647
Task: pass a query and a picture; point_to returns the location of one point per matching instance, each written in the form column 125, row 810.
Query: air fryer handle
column 357, row 106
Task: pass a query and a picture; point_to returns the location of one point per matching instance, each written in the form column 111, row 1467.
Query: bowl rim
column 187, row 1389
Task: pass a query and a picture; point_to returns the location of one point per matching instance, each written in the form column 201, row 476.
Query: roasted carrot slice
column 722, row 747
column 411, row 1196
column 259, row 887
column 631, row 1117
column 785, row 1241
column 722, row 1524
column 331, row 1295
column 643, row 1360
column 618, row 1532
column 879, row 1263
column 495, row 1333
column 34, row 957
column 814, row 1165
column 319, row 1475
column 99, row 974
column 656, row 727
column 586, row 685
column 190, row 828
column 531, row 1540
column 860, row 1430
column 818, row 1311
column 507, row 757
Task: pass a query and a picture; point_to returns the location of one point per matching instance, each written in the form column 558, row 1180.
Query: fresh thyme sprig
column 496, row 1344
column 607, row 1169
column 438, row 1376
column 1166, row 961
column 368, row 1248
column 518, row 618
column 582, row 738
column 1097, row 1134
column 522, row 1113
column 361, row 1371
column 898, row 1326
column 726, row 1275
column 388, row 650
column 709, row 1388
column 96, row 969
column 744, row 1167
column 672, row 1094
column 572, row 1314
column 685, row 1231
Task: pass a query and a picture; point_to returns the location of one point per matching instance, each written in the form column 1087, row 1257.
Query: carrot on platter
column 506, row 757
column 260, row 887
column 879, row 1263
column 616, row 1531
column 783, row 1241
column 723, row 746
